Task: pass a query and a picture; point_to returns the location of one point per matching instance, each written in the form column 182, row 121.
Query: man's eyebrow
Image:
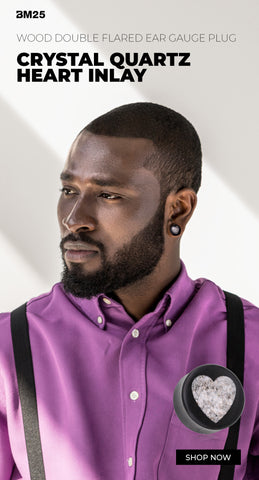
column 66, row 176
column 103, row 182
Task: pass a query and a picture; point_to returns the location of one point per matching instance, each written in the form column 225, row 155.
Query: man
column 112, row 340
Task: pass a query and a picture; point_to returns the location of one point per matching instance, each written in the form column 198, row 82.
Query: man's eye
column 109, row 196
column 67, row 191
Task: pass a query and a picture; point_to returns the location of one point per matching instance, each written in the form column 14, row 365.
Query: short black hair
column 177, row 157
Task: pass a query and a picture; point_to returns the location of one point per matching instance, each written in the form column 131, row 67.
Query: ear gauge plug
column 175, row 229
column 209, row 398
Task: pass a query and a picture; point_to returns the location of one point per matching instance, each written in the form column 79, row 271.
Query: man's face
column 110, row 215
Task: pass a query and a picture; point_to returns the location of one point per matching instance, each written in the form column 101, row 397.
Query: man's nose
column 79, row 218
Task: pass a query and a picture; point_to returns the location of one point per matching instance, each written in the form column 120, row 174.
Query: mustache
column 82, row 237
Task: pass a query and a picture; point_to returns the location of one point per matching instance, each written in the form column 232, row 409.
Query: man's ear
column 179, row 207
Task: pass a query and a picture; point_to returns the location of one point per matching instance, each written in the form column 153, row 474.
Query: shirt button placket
column 132, row 368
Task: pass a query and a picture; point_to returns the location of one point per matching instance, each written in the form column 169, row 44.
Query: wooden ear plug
column 209, row 398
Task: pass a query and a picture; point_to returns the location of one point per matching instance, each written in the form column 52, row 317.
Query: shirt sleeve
column 6, row 458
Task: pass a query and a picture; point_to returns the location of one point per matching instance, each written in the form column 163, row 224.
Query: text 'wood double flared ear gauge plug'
column 209, row 398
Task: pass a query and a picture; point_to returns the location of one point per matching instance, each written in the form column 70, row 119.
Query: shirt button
column 135, row 333
column 100, row 319
column 168, row 322
column 106, row 300
column 130, row 461
column 134, row 395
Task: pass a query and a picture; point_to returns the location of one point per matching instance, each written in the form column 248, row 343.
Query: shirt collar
column 98, row 309
column 178, row 296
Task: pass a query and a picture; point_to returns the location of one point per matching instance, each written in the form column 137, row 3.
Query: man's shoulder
column 35, row 302
column 208, row 290
column 36, row 306
column 208, row 287
column 44, row 299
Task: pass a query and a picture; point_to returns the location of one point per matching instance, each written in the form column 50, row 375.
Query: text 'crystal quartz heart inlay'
column 214, row 397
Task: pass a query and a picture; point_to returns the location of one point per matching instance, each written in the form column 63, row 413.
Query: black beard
column 131, row 263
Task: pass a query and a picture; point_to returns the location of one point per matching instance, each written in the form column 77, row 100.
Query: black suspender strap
column 235, row 335
column 27, row 391
column 235, row 362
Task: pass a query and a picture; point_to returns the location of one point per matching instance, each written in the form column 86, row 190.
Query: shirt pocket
column 180, row 437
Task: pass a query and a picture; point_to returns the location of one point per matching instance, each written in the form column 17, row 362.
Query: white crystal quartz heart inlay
column 214, row 398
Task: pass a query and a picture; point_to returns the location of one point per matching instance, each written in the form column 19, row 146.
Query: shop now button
column 208, row 457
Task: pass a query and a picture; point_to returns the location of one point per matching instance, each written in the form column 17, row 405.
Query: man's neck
column 142, row 296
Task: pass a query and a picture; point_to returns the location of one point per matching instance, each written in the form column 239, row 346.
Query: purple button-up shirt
column 105, row 385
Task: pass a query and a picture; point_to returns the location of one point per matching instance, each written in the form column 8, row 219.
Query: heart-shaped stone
column 214, row 398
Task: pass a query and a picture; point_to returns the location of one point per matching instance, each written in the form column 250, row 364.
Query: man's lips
column 78, row 246
column 78, row 251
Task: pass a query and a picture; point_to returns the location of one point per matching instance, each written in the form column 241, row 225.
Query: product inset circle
column 209, row 398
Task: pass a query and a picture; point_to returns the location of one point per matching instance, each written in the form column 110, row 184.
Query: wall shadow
column 29, row 172
column 219, row 108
